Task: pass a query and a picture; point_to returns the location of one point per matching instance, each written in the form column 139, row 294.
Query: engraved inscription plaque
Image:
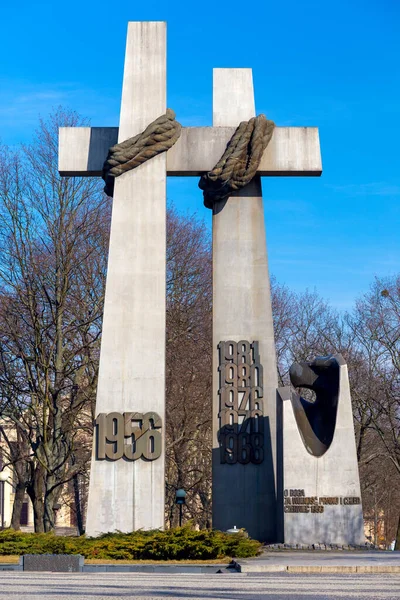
column 241, row 415
column 296, row 501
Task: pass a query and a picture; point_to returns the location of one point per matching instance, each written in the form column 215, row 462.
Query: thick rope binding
column 240, row 161
column 158, row 137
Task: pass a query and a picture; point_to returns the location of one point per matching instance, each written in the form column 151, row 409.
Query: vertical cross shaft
column 243, row 494
column 126, row 495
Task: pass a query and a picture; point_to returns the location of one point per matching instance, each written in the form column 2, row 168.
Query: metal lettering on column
column 128, row 435
column 241, row 416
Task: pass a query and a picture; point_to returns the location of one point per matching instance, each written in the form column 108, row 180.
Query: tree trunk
column 38, row 512
column 78, row 505
column 17, row 506
column 360, row 442
column 397, row 542
column 49, row 517
column 35, row 491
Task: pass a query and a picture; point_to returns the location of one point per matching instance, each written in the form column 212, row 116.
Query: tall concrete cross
column 127, row 493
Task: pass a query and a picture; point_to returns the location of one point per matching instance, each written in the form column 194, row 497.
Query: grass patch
column 9, row 560
column 182, row 543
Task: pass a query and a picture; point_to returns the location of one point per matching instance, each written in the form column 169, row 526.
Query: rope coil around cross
column 240, row 161
column 235, row 169
column 158, row 137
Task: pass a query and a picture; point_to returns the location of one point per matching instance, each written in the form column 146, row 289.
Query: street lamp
column 4, row 476
column 180, row 496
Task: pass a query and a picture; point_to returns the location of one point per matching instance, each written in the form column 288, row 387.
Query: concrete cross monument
column 127, row 472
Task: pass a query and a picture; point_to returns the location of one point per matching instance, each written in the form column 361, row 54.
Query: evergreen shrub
column 182, row 543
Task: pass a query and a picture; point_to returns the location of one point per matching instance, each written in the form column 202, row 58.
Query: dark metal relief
column 241, row 416
column 316, row 420
column 128, row 435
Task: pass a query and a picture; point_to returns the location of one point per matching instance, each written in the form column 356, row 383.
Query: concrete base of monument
column 322, row 496
column 321, row 562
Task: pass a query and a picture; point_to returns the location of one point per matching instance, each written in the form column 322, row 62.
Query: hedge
column 173, row 544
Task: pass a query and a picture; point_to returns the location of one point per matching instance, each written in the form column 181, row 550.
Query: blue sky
column 334, row 65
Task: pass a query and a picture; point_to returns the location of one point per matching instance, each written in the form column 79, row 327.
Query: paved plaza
column 132, row 586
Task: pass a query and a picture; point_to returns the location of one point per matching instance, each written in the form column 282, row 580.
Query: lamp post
column 4, row 476
column 180, row 496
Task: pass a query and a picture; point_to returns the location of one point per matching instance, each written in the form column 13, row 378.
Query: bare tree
column 375, row 325
column 189, row 339
column 53, row 243
column 305, row 326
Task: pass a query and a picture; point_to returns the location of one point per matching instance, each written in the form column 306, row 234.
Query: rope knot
column 240, row 161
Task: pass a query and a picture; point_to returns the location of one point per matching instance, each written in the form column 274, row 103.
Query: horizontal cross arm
column 291, row 151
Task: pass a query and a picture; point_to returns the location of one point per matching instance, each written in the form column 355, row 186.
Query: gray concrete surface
column 125, row 495
column 314, row 561
column 243, row 494
column 334, row 475
column 292, row 151
column 89, row 586
column 157, row 568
